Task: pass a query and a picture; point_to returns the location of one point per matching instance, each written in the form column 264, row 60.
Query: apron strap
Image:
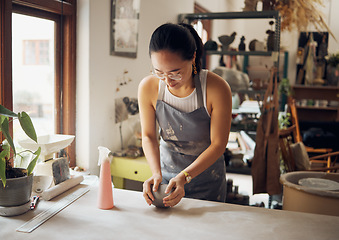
column 161, row 92
column 197, row 84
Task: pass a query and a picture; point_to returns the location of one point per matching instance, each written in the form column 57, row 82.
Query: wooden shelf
column 313, row 113
column 252, row 53
column 316, row 92
column 317, row 108
column 230, row 15
column 190, row 17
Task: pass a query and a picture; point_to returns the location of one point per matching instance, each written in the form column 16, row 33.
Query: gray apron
column 184, row 136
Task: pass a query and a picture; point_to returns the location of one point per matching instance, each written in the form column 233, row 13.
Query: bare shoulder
column 148, row 89
column 148, row 82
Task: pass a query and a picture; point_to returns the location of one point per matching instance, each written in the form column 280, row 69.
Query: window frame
column 208, row 26
column 65, row 71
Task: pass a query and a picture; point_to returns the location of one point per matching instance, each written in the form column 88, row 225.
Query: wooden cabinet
column 311, row 106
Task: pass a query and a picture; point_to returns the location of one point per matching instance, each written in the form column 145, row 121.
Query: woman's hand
column 155, row 180
column 177, row 184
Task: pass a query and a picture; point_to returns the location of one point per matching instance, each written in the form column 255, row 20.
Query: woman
column 193, row 109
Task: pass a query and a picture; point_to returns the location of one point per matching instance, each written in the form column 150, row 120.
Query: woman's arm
column 147, row 97
column 219, row 105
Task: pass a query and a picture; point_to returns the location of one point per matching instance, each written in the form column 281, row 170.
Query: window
column 204, row 29
column 36, row 52
column 33, row 75
column 38, row 66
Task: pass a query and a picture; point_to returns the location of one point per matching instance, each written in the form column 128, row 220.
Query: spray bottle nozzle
column 104, row 155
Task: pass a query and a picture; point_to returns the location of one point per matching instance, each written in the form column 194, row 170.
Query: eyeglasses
column 161, row 76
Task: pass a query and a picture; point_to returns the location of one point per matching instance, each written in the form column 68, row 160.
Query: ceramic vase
column 332, row 76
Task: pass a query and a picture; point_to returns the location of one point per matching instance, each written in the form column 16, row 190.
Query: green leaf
column 6, row 148
column 27, row 125
column 5, row 131
column 6, row 112
column 32, row 164
column 3, row 166
column 2, row 118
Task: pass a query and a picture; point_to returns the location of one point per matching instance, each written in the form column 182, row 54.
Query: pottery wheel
column 319, row 183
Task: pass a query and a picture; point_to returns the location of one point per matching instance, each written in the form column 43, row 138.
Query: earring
column 194, row 69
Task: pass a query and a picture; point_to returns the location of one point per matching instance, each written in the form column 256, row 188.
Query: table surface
column 132, row 218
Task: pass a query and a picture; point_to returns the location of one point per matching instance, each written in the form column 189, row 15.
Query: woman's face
column 171, row 68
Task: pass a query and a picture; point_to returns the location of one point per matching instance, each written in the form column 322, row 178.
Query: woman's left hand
column 177, row 184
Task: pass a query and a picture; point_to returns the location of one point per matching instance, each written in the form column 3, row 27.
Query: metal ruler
column 42, row 217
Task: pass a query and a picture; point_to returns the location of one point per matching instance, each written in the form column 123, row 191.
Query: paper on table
column 61, row 187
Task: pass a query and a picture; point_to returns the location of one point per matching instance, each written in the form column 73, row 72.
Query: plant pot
column 17, row 191
column 332, row 76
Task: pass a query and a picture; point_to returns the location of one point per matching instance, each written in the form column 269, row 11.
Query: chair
column 295, row 156
column 298, row 138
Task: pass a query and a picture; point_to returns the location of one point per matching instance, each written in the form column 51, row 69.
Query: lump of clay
column 159, row 195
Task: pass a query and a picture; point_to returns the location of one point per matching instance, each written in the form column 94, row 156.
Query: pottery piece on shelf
column 211, row 45
column 227, row 40
column 242, row 45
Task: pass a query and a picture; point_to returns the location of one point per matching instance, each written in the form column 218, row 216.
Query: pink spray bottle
column 105, row 195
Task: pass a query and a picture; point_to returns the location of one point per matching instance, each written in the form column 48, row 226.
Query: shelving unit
column 245, row 53
column 317, row 113
column 188, row 18
column 229, row 15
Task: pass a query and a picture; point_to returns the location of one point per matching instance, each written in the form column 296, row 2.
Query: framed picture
column 124, row 27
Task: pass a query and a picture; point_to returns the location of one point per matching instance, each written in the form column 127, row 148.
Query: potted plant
column 333, row 69
column 15, row 183
column 284, row 92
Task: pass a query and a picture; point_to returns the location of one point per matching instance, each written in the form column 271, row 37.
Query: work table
column 132, row 218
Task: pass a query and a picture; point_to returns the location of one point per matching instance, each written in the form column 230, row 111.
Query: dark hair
column 178, row 38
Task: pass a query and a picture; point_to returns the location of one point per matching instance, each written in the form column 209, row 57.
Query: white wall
column 98, row 71
column 333, row 45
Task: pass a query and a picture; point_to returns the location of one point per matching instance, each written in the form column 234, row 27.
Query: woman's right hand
column 155, row 180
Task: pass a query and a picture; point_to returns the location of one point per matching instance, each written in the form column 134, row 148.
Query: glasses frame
column 161, row 76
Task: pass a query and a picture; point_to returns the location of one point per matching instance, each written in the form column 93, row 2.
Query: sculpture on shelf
column 268, row 5
column 221, row 61
column 251, row 46
column 226, row 40
column 250, row 5
column 270, row 38
column 333, row 69
column 256, row 45
column 242, row 45
column 211, row 45
column 310, row 66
